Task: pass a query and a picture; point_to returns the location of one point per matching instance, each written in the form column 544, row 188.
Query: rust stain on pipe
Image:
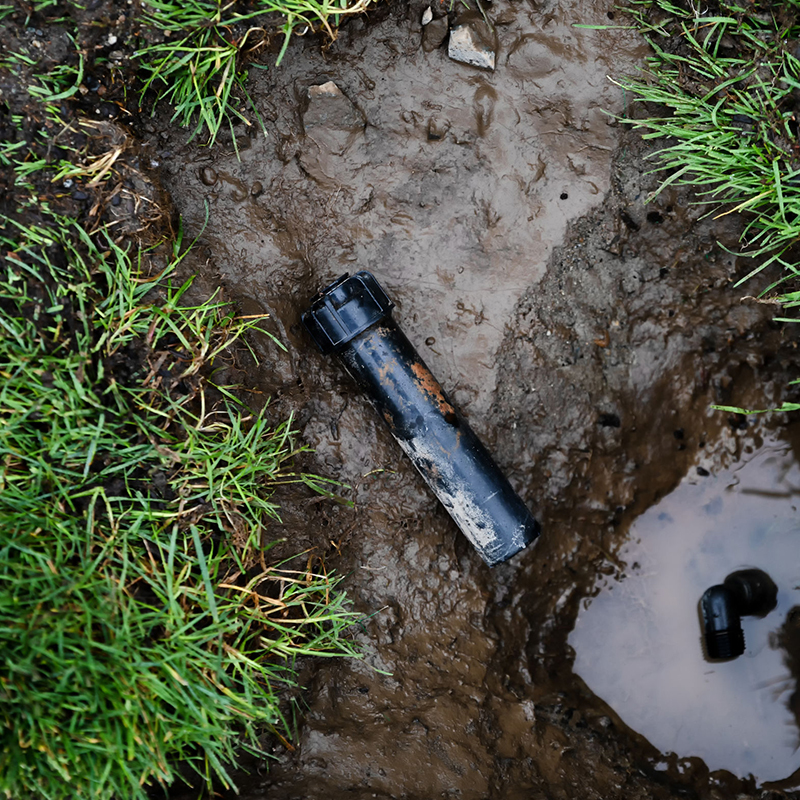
column 431, row 387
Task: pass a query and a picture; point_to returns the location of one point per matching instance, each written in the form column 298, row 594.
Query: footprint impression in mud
column 483, row 105
column 332, row 124
column 638, row 641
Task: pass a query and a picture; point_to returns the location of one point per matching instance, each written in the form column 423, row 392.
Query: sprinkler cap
column 344, row 309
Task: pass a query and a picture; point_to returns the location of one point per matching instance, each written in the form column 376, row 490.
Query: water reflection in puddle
column 638, row 641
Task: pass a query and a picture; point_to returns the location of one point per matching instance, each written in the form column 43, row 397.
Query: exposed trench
column 584, row 334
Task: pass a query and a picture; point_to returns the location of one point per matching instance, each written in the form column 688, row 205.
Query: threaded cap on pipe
column 344, row 309
column 728, row 643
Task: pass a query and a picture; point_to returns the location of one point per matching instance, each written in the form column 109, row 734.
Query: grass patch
column 139, row 623
column 201, row 66
column 729, row 77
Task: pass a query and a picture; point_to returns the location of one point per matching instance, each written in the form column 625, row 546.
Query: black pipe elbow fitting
column 748, row 592
column 351, row 318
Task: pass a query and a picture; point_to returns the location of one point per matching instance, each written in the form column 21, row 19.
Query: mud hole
column 584, row 334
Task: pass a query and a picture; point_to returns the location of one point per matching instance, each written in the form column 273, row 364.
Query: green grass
column 729, row 79
column 139, row 624
column 201, row 66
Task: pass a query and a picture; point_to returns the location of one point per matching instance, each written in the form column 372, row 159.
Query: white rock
column 329, row 89
column 466, row 46
column 427, row 15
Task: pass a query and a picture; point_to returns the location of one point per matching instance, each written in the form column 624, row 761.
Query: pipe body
column 420, row 416
column 748, row 592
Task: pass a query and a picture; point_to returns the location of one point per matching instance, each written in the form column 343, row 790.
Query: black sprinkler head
column 748, row 592
column 352, row 318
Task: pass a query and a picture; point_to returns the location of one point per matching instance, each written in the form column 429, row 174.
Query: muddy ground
column 584, row 333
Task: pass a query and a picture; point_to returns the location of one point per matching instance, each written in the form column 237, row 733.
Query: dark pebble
column 703, row 472
column 256, row 189
column 430, row 341
column 208, row 176
column 80, row 196
column 116, row 200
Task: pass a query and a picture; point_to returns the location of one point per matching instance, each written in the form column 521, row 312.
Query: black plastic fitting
column 748, row 592
column 352, row 318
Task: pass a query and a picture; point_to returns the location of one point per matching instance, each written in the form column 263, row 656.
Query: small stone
column 208, row 176
column 116, row 55
column 331, row 119
column 79, row 195
column 112, row 39
column 433, row 34
column 116, row 200
column 427, row 15
column 329, row 89
column 471, row 43
column 256, row 189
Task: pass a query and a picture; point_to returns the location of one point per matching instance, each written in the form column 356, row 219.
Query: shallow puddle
column 638, row 644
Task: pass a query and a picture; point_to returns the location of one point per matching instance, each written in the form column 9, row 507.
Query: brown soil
column 583, row 333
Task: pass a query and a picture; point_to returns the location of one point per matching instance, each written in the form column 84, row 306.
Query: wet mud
column 583, row 333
